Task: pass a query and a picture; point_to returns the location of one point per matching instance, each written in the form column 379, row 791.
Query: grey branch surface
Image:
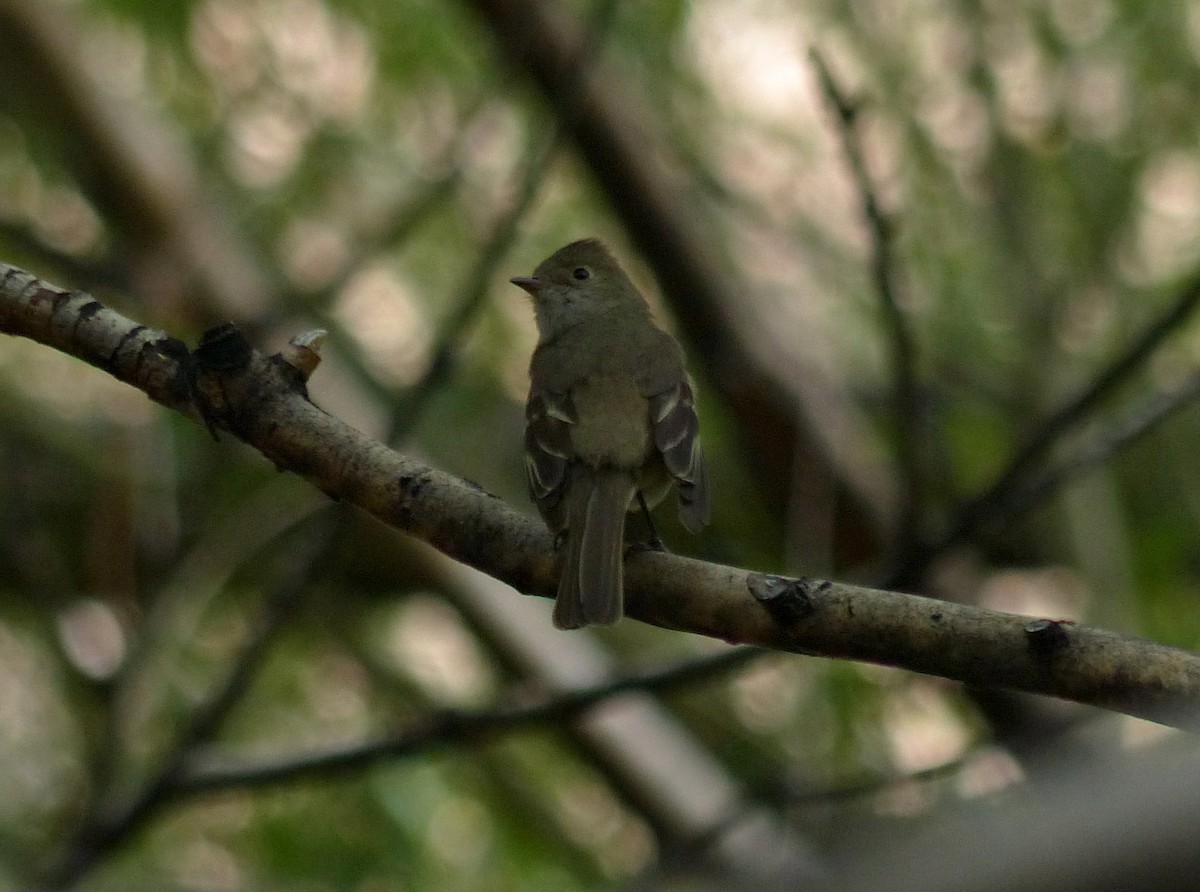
column 263, row 405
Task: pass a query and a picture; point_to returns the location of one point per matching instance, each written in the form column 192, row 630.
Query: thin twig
column 475, row 289
column 479, row 281
column 109, row 824
column 1100, row 449
column 983, row 510
column 453, row 728
column 403, row 220
column 103, row 272
column 906, row 409
column 401, row 223
column 686, row 855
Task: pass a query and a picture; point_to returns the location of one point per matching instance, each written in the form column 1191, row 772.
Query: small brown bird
column 610, row 424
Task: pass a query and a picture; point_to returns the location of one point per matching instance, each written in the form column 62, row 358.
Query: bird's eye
column 581, row 274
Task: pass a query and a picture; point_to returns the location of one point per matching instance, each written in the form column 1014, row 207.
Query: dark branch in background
column 451, row 728
column 823, row 252
column 403, row 221
column 625, row 156
column 980, row 512
column 478, row 283
column 131, row 166
column 406, row 217
column 516, row 796
column 1021, row 488
column 687, row 855
column 109, row 823
column 257, row 399
column 184, row 775
column 400, row 225
column 1021, row 498
column 905, row 403
column 470, row 301
column 21, row 239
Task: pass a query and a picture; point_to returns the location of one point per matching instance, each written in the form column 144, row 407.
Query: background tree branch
column 254, row 399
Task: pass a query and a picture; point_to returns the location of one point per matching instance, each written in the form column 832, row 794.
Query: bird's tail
column 591, row 588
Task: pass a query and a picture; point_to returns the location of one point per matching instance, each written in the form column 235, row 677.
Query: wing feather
column 677, row 438
column 548, row 420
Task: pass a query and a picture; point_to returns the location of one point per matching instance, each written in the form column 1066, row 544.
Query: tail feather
column 591, row 588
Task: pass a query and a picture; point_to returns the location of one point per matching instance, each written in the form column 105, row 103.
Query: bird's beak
column 530, row 284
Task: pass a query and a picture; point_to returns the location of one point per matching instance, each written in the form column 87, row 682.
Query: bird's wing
column 548, row 420
column 677, row 438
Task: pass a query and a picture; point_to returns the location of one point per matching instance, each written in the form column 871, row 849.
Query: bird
column 611, row 424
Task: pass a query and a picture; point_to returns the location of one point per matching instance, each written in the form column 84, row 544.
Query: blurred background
column 934, row 265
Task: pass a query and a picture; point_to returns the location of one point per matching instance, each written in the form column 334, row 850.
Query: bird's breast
column 613, row 429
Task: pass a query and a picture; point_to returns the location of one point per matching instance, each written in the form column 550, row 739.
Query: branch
column 906, row 409
column 110, row 821
column 23, row 240
column 1023, row 496
column 256, row 398
column 475, row 289
column 450, row 728
column 985, row 508
column 131, row 164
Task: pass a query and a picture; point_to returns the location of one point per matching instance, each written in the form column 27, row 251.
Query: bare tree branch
column 906, row 407
column 254, row 397
column 1027, row 493
column 132, row 165
column 985, row 508
column 111, row 820
column 450, row 728
column 1101, row 826
column 474, row 290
